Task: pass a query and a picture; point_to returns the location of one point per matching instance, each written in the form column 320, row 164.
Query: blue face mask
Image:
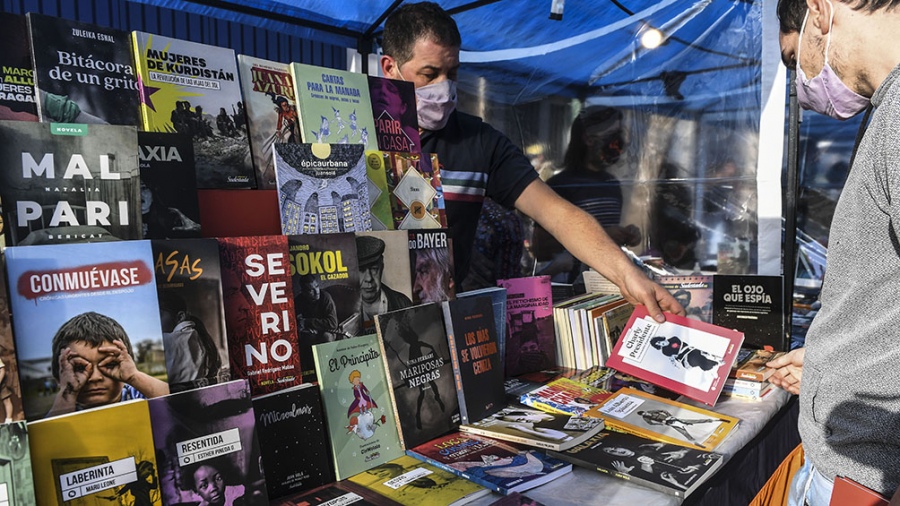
column 434, row 103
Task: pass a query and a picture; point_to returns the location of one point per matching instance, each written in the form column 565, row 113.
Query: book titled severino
column 193, row 88
column 532, row 427
column 322, row 188
column 83, row 73
column 259, row 312
column 69, row 183
column 17, row 100
column 169, row 205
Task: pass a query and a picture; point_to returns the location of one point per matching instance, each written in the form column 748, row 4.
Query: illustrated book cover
column 334, row 106
column 16, row 479
column 564, row 396
column 416, row 353
column 335, row 494
column 394, row 109
column 193, row 88
column 412, row 482
column 69, row 183
column 325, row 277
column 270, row 111
column 83, row 73
column 530, row 338
column 431, row 265
column 751, row 364
column 10, row 385
column 670, row 469
column 501, row 467
column 92, row 457
column 81, row 309
column 416, row 192
column 475, row 355
column 665, row 420
column 694, row 293
column 752, row 305
column 379, row 193
column 206, row 435
column 519, row 424
column 498, row 302
column 385, row 282
column 170, row 208
column 683, row 355
column 362, row 424
column 191, row 312
column 322, row 188
column 294, row 440
column 260, row 320
column 17, row 99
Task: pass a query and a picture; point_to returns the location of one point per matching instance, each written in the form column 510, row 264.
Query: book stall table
column 767, row 433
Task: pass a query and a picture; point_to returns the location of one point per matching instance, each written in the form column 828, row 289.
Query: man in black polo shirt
column 421, row 44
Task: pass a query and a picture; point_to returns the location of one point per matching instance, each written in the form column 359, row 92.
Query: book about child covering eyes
column 322, row 188
column 69, row 183
column 170, row 208
column 193, row 88
column 325, row 276
column 683, row 355
column 17, row 101
column 519, row 424
column 192, row 315
column 10, row 385
column 294, row 441
column 16, row 479
column 87, row 318
column 416, row 192
column 385, row 282
column 431, row 265
column 665, row 420
column 412, row 482
column 270, row 110
column 501, row 467
column 668, row 468
column 335, row 494
column 260, row 319
column 362, row 424
column 394, row 108
column 530, row 341
column 83, row 73
column 205, row 435
column 96, row 457
column 416, row 353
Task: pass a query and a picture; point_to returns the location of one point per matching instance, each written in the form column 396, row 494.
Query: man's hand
column 117, row 364
column 637, row 288
column 74, row 372
column 788, row 370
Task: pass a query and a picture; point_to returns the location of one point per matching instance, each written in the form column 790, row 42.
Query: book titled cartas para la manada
column 169, row 205
column 294, row 440
column 501, row 467
column 80, row 308
column 259, row 312
column 83, row 73
column 531, row 342
column 193, row 88
column 205, row 435
column 69, row 183
column 394, row 108
column 361, row 418
column 322, row 188
column 96, row 456
column 532, row 427
column 16, row 482
column 664, row 467
column 17, row 101
column 412, row 482
column 431, row 265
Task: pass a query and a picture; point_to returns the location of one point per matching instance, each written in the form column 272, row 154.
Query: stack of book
column 749, row 378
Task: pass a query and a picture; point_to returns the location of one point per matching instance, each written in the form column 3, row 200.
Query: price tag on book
column 407, row 478
column 97, row 478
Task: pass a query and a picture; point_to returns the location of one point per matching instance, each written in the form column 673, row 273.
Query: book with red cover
column 847, row 491
column 259, row 312
column 683, row 355
column 530, row 337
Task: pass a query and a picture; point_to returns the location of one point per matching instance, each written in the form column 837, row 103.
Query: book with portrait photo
column 385, row 281
column 431, row 265
column 170, row 208
column 530, row 338
column 532, row 427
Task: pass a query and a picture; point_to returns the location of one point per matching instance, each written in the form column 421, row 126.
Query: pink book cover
column 530, row 338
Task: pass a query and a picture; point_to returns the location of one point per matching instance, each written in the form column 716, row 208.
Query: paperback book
column 751, row 364
column 17, row 100
column 565, row 396
column 752, row 305
column 694, row 293
column 532, row 427
column 416, row 193
column 412, row 482
column 169, row 205
column 10, row 386
column 498, row 303
column 335, row 494
column 530, row 339
column 431, row 265
column 385, row 280
column 379, row 193
column 394, row 109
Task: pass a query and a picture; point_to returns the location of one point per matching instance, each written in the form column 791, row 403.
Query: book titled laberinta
column 17, row 100
column 683, row 355
column 533, row 427
column 69, row 183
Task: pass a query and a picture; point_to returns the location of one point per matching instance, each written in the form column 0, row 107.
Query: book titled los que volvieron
column 683, row 355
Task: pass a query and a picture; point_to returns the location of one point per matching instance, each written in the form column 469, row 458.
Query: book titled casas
column 475, row 356
column 10, row 386
column 293, row 439
column 69, row 183
column 379, row 193
column 412, row 482
column 96, row 456
column 498, row 303
column 322, row 188
column 532, row 427
column 169, row 204
column 362, row 423
column 564, row 396
column 752, row 305
column 683, row 355
column 334, row 106
column 665, row 420
column 86, row 319
column 416, row 354
column 667, row 468
column 16, row 480
column 83, row 73
column 259, row 312
column 334, row 494
column 192, row 315
column 394, row 109
column 204, row 436
column 530, row 342
column 501, row 467
column 193, row 88
column 325, row 276
column 271, row 112
column 17, row 99
column 385, row 282
column 416, row 192
column 431, row 265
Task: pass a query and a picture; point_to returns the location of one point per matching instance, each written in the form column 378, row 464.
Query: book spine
column 756, row 386
column 454, row 360
column 750, row 375
column 388, row 380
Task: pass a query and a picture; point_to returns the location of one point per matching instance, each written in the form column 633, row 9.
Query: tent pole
column 791, row 197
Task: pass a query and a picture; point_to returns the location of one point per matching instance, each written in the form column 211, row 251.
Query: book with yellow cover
column 412, row 482
column 665, row 420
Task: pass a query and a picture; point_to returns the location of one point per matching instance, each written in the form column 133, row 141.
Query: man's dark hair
column 411, row 22
column 576, row 152
column 93, row 328
column 790, row 15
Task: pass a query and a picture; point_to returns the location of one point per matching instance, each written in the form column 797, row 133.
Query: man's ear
column 388, row 64
column 820, row 14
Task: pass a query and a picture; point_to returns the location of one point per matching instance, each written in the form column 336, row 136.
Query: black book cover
column 752, row 305
column 169, row 205
column 16, row 70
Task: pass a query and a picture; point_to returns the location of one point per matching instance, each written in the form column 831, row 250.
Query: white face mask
column 434, row 103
